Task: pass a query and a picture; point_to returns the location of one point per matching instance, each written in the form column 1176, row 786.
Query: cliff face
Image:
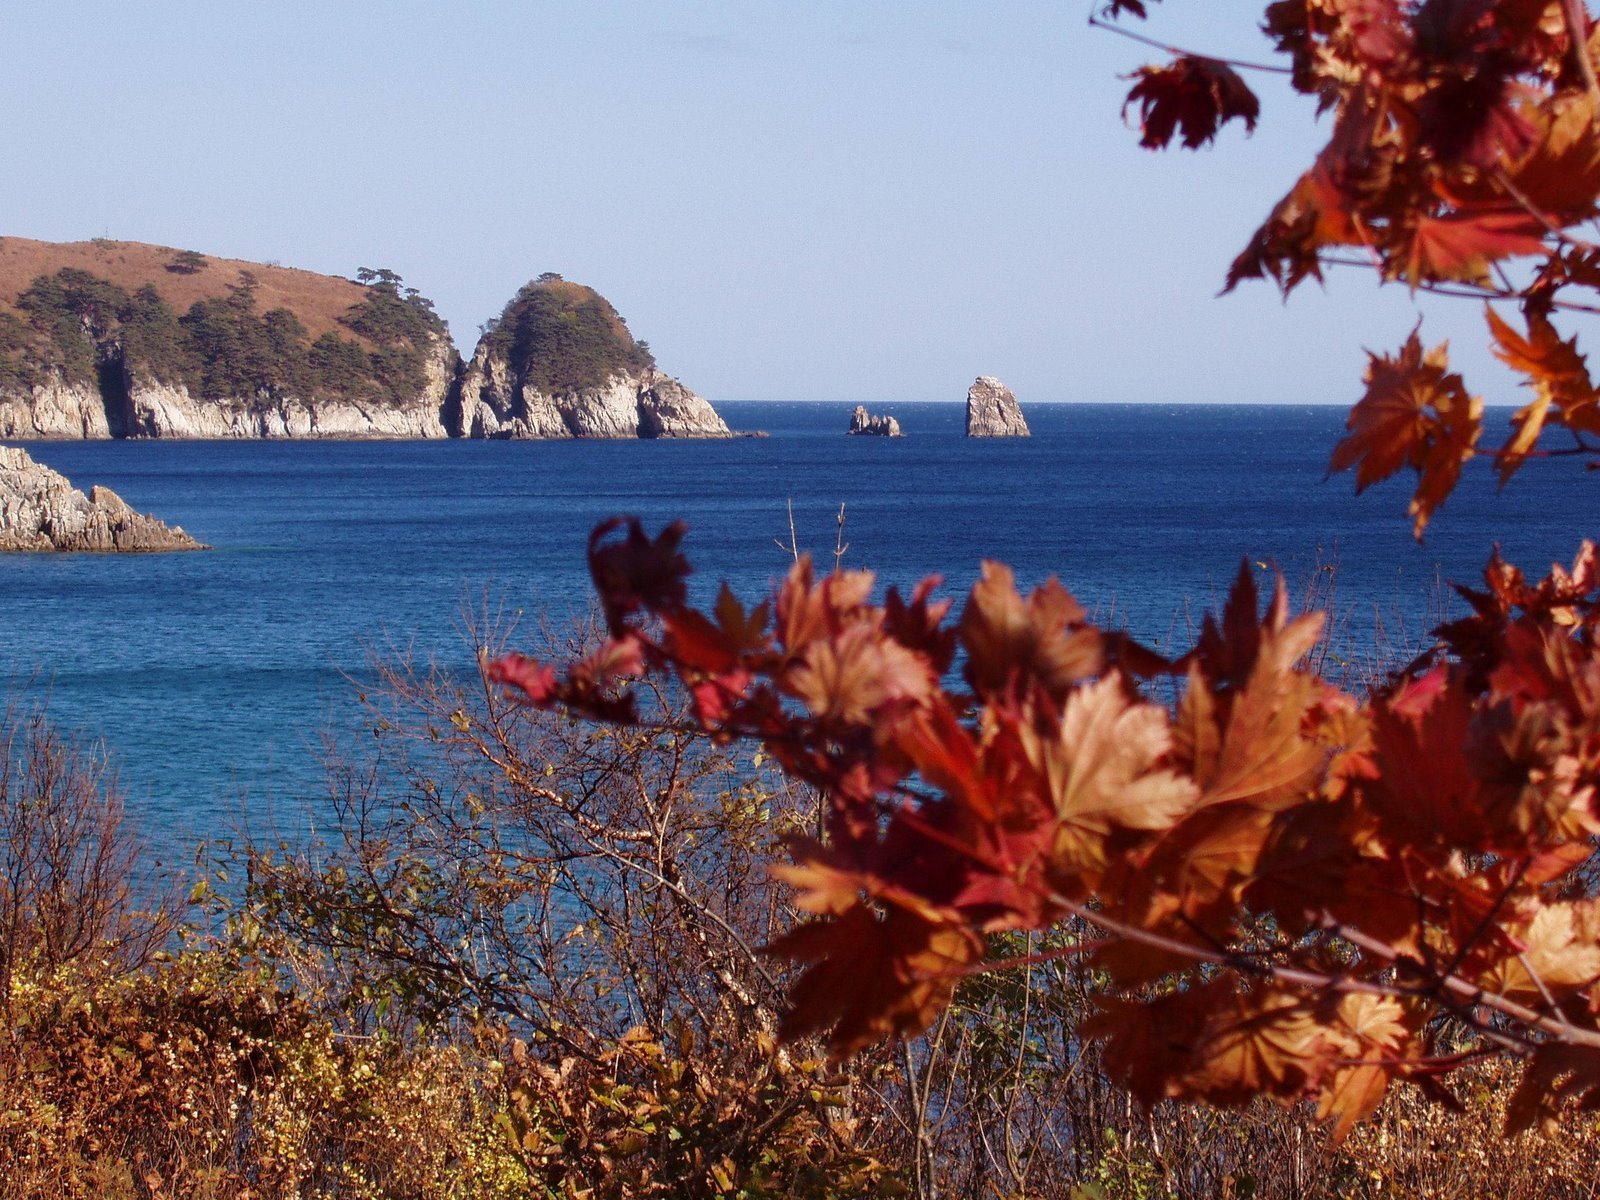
column 41, row 510
column 993, row 411
column 52, row 408
column 560, row 363
column 156, row 409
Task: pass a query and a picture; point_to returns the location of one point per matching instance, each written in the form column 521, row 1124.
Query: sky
column 844, row 200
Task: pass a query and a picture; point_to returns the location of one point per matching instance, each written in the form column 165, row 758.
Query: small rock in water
column 863, row 422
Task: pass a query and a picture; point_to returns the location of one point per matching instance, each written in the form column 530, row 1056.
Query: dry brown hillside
column 317, row 300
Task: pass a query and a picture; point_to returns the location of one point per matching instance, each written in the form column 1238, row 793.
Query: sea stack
column 559, row 362
column 41, row 510
column 865, row 424
column 993, row 411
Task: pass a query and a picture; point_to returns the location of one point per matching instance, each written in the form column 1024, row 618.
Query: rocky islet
column 866, row 424
column 993, row 411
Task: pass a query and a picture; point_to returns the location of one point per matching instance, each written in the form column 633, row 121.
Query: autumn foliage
column 1290, row 890
column 1463, row 158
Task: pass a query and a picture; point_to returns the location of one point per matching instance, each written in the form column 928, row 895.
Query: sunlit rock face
column 993, row 411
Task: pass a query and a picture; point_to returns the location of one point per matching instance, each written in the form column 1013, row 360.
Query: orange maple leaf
column 1559, row 377
column 1101, row 770
column 1415, row 412
column 1012, row 644
column 1461, row 246
column 872, row 975
column 854, row 676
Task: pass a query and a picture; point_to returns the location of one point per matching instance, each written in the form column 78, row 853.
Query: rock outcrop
column 864, row 424
column 41, row 510
column 560, row 363
column 993, row 411
column 495, row 403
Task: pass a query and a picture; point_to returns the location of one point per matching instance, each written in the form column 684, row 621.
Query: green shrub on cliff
column 563, row 336
column 401, row 324
column 17, row 371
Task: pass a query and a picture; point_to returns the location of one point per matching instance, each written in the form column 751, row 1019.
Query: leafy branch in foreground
column 1463, row 159
column 1297, row 892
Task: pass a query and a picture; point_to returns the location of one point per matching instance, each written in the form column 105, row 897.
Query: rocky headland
column 865, row 424
column 993, row 411
column 109, row 339
column 559, row 362
column 41, row 510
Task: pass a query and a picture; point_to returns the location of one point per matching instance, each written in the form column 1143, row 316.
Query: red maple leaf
column 1192, row 96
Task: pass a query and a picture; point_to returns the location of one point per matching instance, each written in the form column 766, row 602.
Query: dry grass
column 318, row 300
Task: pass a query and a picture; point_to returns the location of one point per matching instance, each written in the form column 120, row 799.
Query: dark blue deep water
column 213, row 677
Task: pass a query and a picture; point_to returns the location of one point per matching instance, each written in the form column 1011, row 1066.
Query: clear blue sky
column 820, row 199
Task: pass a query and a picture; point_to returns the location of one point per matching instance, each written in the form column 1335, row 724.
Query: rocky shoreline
column 40, row 510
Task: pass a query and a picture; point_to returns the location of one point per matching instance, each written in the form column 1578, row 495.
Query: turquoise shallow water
column 213, row 676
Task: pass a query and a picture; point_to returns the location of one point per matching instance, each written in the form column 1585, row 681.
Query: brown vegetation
column 319, row 301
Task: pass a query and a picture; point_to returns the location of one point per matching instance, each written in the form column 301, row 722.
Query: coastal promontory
column 122, row 339
column 866, row 424
column 993, row 411
column 108, row 339
column 41, row 510
column 560, row 362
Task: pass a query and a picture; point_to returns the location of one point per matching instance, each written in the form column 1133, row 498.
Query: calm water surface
column 214, row 676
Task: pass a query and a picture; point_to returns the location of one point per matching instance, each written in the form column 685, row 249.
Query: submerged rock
column 864, row 423
column 993, row 411
column 41, row 510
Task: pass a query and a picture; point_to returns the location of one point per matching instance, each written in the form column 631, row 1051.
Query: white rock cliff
column 649, row 404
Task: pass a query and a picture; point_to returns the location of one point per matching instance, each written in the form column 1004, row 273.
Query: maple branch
column 1313, row 980
column 1431, row 986
column 1096, row 22
column 1552, row 226
column 1467, row 990
column 1544, row 990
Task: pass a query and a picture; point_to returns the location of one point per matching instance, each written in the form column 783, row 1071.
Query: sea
column 215, row 679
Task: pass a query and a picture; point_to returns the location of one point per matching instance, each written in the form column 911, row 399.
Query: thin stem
column 1179, row 52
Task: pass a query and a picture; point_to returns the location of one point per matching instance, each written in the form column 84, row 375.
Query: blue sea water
column 212, row 677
